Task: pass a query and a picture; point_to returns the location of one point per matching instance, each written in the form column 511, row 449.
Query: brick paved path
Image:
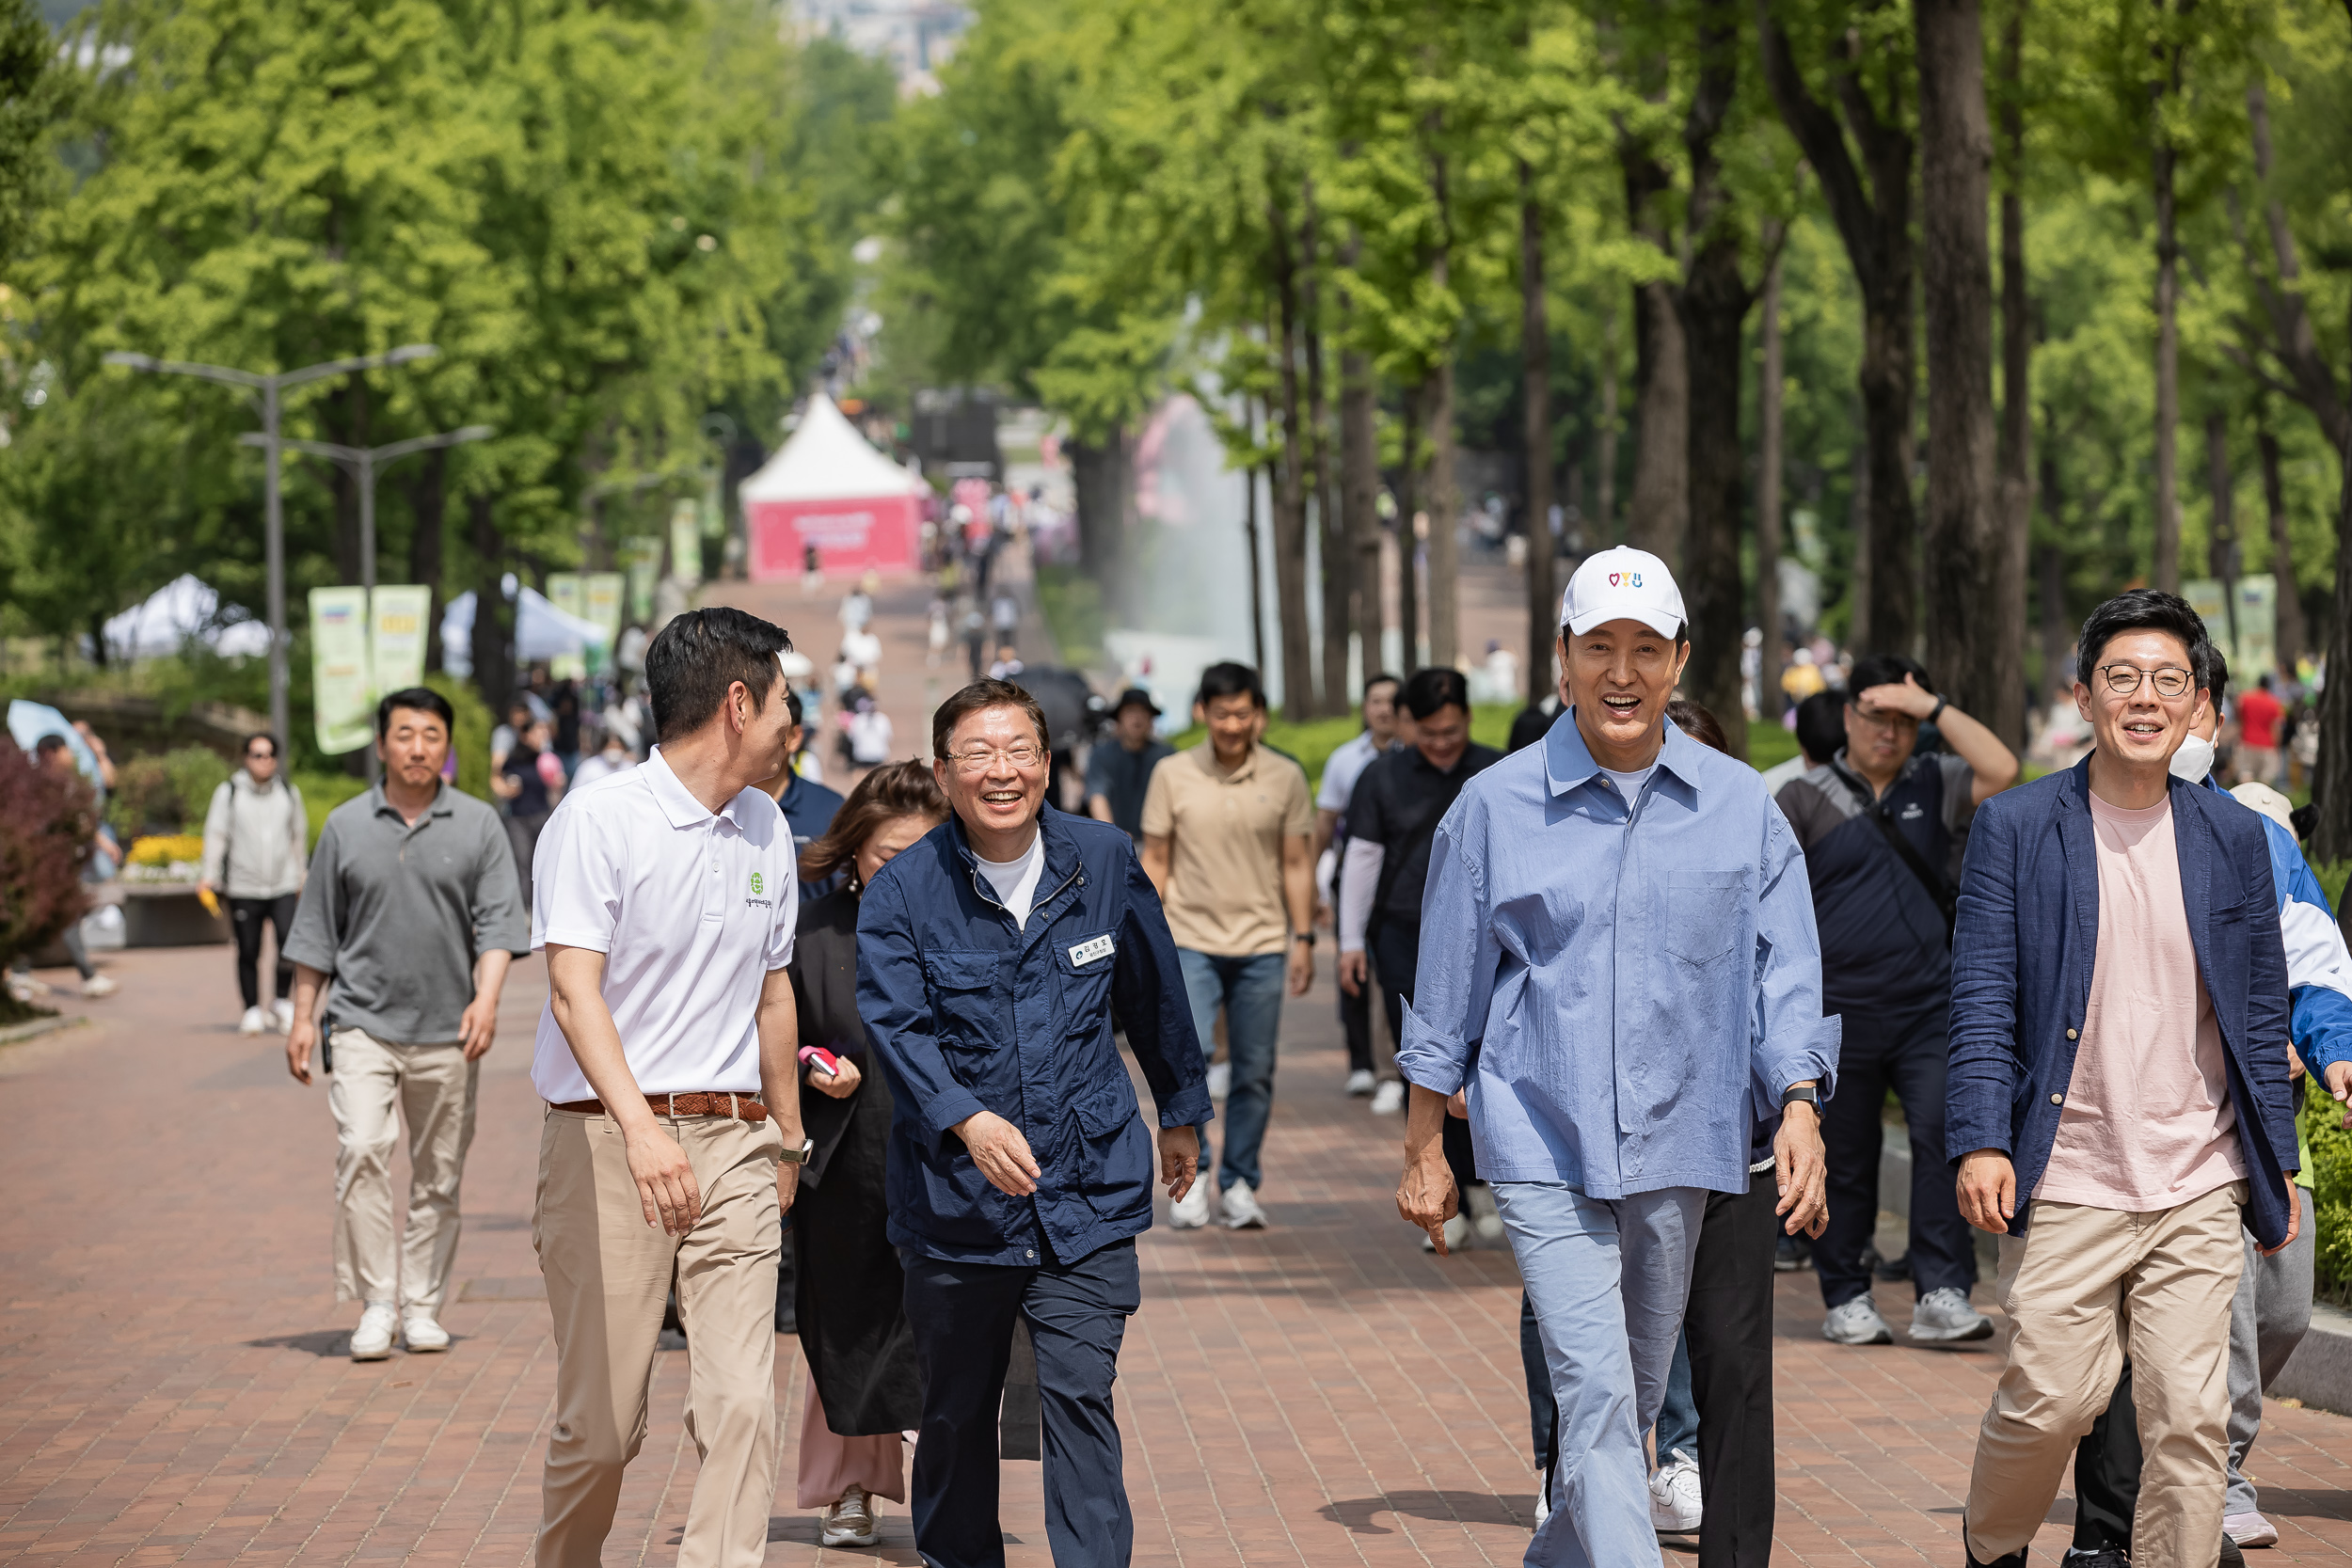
column 173, row 1385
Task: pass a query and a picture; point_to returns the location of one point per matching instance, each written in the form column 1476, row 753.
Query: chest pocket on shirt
column 1085, row 987
column 1703, row 915
column 962, row 988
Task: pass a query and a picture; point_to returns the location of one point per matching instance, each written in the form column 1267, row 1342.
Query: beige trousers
column 2084, row 1288
column 607, row 1276
column 373, row 1084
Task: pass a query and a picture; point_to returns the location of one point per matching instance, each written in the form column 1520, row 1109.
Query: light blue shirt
column 1627, row 992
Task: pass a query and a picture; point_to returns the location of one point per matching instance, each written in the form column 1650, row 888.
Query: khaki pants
column 607, row 1276
column 2084, row 1288
column 373, row 1084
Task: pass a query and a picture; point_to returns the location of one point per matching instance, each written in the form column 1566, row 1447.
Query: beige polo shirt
column 1225, row 834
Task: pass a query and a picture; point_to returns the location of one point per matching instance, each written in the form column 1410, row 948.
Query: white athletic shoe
column 849, row 1520
column 1220, row 1079
column 1478, row 1202
column 1457, row 1237
column 1944, row 1316
column 1857, row 1322
column 1674, row 1495
column 419, row 1332
column 282, row 1010
column 98, row 985
column 1191, row 1211
column 2250, row 1529
column 1543, row 1495
column 1359, row 1082
column 1241, row 1209
column 1388, row 1099
column 373, row 1339
column 254, row 1022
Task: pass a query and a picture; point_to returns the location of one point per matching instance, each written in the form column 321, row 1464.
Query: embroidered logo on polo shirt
column 756, row 887
column 1086, row 952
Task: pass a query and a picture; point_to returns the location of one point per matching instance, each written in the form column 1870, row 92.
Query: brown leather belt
column 743, row 1107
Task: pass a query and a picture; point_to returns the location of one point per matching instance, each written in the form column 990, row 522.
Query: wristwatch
column 1937, row 712
column 1805, row 1092
column 1307, row 937
column 799, row 1156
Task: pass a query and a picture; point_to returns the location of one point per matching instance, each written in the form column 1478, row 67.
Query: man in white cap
column 1618, row 964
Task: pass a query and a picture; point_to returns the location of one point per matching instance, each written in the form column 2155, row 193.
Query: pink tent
column 828, row 487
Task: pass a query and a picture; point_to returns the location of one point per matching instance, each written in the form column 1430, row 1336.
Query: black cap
column 1136, row 694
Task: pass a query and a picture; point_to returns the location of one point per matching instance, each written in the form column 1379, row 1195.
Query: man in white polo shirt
column 664, row 898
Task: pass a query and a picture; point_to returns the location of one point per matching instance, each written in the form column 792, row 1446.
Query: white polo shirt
column 691, row 911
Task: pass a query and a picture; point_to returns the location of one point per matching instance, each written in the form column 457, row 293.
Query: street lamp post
column 273, row 513
column 364, row 463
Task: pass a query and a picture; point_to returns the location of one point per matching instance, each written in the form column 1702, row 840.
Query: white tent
column 541, row 631
column 186, row 608
column 829, row 491
column 827, row 460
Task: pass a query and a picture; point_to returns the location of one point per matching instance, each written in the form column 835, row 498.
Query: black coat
column 849, row 1289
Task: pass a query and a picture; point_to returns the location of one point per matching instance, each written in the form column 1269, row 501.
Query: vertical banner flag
column 686, row 542
column 600, row 602
column 397, row 620
column 642, row 555
column 341, row 697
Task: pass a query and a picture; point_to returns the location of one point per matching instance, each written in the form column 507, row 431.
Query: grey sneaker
column 1857, row 1322
column 1945, row 1317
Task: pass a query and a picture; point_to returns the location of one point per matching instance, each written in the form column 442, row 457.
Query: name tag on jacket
column 1086, row 952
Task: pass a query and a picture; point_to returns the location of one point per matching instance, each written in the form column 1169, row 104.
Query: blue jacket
column 970, row 1012
column 2022, row 955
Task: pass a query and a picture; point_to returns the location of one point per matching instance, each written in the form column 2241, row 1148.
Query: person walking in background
column 1228, row 841
column 809, row 805
column 1821, row 731
column 1392, row 820
column 1119, row 767
column 996, row 956
column 2259, row 716
column 2117, row 1093
column 1684, row 955
column 672, row 1144
column 530, row 780
column 1879, row 822
column 610, row 757
column 411, row 911
column 1340, row 771
column 863, row 1388
column 255, row 830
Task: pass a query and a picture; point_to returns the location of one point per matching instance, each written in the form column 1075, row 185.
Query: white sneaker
column 1388, row 1099
column 282, row 1010
column 1457, row 1237
column 1674, row 1495
column 1241, row 1209
column 1857, row 1322
column 98, row 985
column 848, row 1520
column 254, row 1022
column 2250, row 1529
column 1543, row 1495
column 419, row 1333
column 24, row 988
column 373, row 1339
column 1191, row 1211
column 1220, row 1079
column 1478, row 1201
column 1359, row 1082
column 1944, row 1316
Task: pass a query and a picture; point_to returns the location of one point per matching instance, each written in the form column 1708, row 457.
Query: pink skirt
column 830, row 1464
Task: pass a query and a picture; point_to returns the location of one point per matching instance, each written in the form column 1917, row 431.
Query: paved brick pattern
column 173, row 1387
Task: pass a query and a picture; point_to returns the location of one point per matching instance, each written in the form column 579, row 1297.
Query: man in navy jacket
column 2118, row 1099
column 994, row 958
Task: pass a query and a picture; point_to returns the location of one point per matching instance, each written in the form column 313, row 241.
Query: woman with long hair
column 864, row 1391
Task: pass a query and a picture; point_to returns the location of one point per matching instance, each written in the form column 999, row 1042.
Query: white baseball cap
column 1622, row 584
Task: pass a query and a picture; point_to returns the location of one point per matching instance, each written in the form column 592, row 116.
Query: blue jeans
column 1608, row 1279
column 1250, row 990
column 1678, row 1418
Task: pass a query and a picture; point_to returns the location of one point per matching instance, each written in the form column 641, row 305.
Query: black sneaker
column 2230, row 1555
column 1791, row 1255
column 2106, row 1557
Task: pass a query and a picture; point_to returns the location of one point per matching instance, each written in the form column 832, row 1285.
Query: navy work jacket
column 970, row 1012
column 2022, row 953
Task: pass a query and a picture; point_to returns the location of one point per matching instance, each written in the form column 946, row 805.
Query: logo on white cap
column 1622, row 584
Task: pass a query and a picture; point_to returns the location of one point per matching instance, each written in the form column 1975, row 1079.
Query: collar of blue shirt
column 1568, row 763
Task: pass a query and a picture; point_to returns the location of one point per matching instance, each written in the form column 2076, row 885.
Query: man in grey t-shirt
column 413, row 913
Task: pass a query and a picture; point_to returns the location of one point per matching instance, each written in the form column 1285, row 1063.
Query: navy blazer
column 970, row 1012
column 2022, row 954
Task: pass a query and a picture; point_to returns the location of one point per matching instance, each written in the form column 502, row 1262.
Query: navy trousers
column 962, row 1316
column 1906, row 1050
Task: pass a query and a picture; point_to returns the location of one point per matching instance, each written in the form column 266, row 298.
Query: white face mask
column 2194, row 760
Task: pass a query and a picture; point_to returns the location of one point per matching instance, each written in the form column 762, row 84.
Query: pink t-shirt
column 2148, row 1123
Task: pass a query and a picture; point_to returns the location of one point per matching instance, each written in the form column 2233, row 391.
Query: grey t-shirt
column 397, row 914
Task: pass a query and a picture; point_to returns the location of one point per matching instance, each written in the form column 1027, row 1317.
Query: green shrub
column 168, row 793
column 2331, row 1189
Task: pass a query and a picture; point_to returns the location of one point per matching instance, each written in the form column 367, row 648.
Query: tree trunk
column 1250, row 478
column 1975, row 628
column 1658, row 514
column 1858, row 596
column 346, row 419
column 1408, row 501
column 428, row 507
column 2167, row 571
column 1769, row 393
column 1605, row 441
column 1330, row 538
column 1444, row 505
column 1359, row 499
column 2288, row 636
column 493, row 617
column 1290, row 496
column 2221, row 528
column 2331, row 836
column 2013, row 459
column 1095, row 471
column 1874, row 222
column 1543, row 609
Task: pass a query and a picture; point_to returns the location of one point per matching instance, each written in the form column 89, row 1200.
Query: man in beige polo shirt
column 1227, row 839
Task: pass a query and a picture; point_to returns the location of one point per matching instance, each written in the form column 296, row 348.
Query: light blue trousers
column 1608, row 1279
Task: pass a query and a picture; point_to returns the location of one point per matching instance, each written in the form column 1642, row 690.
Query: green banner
column 686, row 543
column 397, row 616
column 341, row 700
column 641, row 554
column 600, row 602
